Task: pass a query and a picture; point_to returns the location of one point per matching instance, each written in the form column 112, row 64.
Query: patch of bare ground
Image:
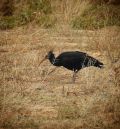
column 30, row 97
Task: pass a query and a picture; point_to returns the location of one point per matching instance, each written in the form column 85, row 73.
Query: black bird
column 73, row 60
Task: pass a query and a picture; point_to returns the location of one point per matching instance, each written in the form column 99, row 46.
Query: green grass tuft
column 24, row 17
column 41, row 9
column 7, row 22
column 46, row 21
column 97, row 16
column 44, row 6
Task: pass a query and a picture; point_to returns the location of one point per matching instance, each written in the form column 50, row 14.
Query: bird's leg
column 74, row 76
column 73, row 81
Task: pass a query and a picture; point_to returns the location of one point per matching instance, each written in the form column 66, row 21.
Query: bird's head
column 49, row 55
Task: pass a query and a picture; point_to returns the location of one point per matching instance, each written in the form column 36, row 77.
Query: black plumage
column 73, row 60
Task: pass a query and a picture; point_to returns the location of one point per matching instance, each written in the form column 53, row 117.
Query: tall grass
column 79, row 14
column 97, row 16
column 38, row 11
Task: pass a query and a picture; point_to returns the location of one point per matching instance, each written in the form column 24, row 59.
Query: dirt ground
column 32, row 98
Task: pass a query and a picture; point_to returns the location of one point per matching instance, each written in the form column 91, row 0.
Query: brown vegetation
column 7, row 7
column 114, row 2
column 32, row 98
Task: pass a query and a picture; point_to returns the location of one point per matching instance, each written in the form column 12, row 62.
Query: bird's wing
column 71, row 54
column 72, row 58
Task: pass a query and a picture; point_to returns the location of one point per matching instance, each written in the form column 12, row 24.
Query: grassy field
column 33, row 98
column 82, row 14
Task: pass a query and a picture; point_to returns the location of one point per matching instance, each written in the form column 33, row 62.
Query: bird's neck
column 52, row 59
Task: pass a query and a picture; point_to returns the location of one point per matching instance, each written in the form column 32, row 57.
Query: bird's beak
column 42, row 61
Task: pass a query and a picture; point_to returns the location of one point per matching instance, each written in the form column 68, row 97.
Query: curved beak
column 42, row 61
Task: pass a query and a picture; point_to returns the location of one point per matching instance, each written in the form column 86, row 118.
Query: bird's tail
column 95, row 62
column 99, row 64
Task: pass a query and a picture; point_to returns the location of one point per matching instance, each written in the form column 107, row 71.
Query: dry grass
column 70, row 9
column 31, row 98
column 79, row 14
column 97, row 16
